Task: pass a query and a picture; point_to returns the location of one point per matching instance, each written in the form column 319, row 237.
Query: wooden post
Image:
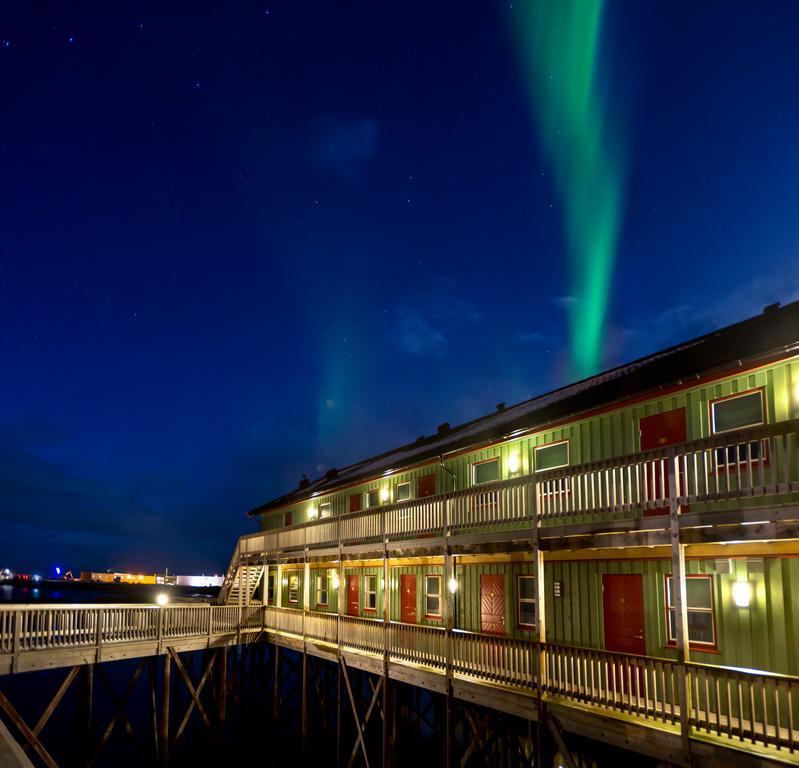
column 223, row 688
column 165, row 711
column 680, row 607
column 276, row 702
column 87, row 704
column 386, row 638
column 304, row 703
column 540, row 637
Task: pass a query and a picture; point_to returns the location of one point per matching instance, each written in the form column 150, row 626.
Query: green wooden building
column 643, row 521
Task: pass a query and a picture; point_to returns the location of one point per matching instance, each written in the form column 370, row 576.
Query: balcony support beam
column 679, row 597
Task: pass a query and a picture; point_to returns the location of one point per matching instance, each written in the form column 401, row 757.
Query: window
column 270, row 589
column 527, row 601
column 324, row 509
column 426, row 486
column 370, row 593
column 373, row 498
column 552, row 456
column 403, row 491
column 485, row 471
column 738, row 412
column 432, row 597
column 701, row 623
column 355, row 502
column 287, row 519
column 294, row 589
column 321, row 589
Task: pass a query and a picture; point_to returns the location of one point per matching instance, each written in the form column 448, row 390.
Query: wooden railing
column 759, row 464
column 740, row 706
column 360, row 634
column 417, row 645
column 745, row 705
column 636, row 685
column 495, row 659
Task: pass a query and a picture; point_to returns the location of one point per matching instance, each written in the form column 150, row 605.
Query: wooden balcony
column 732, row 479
column 743, row 709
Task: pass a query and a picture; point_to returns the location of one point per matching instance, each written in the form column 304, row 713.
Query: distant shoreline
column 59, row 591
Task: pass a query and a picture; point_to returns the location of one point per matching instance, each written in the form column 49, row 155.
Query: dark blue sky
column 243, row 241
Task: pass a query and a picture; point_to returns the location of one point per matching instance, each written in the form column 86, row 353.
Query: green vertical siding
column 284, row 588
column 332, row 594
column 759, row 637
column 467, row 598
column 604, row 436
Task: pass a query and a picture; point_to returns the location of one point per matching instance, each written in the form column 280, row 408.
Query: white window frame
column 397, row 491
column 737, row 396
column 367, row 593
column 550, row 445
column 325, row 509
column 671, row 636
column 476, row 464
column 526, row 600
column 294, row 579
column 428, row 593
column 322, row 588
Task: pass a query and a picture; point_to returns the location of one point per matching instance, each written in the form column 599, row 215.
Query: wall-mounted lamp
column 513, row 463
column 285, row 581
column 336, row 582
column 742, row 593
column 384, row 494
column 312, row 512
column 453, row 585
column 162, row 599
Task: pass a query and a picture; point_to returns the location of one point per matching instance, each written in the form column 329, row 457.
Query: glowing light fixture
column 742, row 593
column 384, row 494
column 513, row 463
column 162, row 599
column 336, row 582
column 453, row 585
column 312, row 512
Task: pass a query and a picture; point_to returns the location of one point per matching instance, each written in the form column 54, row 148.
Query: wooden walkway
column 630, row 701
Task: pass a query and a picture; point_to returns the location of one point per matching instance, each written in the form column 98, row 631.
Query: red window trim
column 693, row 645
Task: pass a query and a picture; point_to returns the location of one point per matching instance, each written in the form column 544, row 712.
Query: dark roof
column 776, row 329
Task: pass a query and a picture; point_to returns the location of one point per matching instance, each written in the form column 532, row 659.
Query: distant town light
column 742, row 593
column 513, row 463
column 384, row 494
column 162, row 599
column 57, row 571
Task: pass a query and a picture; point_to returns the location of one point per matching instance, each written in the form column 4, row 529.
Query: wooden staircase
column 244, row 584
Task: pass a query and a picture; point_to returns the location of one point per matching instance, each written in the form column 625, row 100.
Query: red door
column 408, row 598
column 623, row 611
column 492, row 603
column 352, row 596
column 660, row 431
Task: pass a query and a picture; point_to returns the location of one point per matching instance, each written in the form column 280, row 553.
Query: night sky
column 242, row 241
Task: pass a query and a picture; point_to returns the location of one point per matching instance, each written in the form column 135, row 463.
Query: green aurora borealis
column 559, row 44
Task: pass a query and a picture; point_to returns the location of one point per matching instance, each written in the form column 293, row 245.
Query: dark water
column 66, row 592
